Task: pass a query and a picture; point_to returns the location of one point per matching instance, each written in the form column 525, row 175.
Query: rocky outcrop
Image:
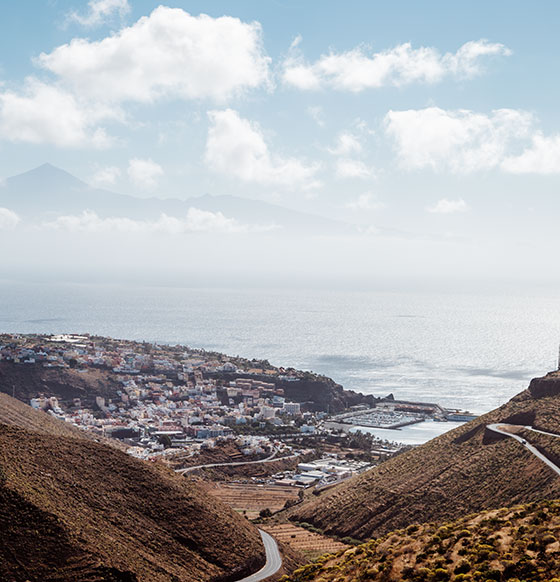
column 549, row 385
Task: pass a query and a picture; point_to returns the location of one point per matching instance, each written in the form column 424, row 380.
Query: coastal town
column 174, row 403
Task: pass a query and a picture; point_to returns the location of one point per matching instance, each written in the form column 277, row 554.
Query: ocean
column 464, row 351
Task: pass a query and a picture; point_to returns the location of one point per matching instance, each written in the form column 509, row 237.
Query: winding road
column 542, row 432
column 270, row 459
column 273, row 556
column 499, row 428
column 273, row 560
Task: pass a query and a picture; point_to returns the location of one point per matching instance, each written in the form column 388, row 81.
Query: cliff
column 549, row 385
column 314, row 392
column 25, row 381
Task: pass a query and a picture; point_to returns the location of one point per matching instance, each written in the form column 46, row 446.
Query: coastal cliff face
column 26, row 381
column 323, row 394
column 458, row 473
column 75, row 510
column 315, row 393
column 549, row 385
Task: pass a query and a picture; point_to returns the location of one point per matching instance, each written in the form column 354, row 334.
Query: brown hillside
column 510, row 545
column 16, row 413
column 463, row 471
column 76, row 510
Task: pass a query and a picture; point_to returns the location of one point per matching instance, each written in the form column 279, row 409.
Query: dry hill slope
column 16, row 413
column 499, row 545
column 466, row 470
column 75, row 510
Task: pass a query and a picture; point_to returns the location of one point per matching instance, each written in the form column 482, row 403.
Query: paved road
column 270, row 459
column 542, row 432
column 499, row 429
column 273, row 560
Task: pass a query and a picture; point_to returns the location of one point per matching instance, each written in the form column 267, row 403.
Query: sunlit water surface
column 465, row 351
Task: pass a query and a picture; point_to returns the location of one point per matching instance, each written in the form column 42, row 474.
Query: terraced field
column 249, row 499
column 310, row 544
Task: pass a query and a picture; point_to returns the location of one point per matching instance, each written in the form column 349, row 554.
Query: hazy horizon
column 358, row 146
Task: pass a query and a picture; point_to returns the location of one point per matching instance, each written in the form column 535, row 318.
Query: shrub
column 441, row 574
column 462, row 567
column 423, row 574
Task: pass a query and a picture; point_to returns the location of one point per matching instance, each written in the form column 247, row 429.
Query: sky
column 434, row 127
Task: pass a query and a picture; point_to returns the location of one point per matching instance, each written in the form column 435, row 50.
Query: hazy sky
column 433, row 125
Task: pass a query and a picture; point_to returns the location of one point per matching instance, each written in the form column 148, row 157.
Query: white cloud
column 300, row 75
column 355, row 70
column 347, row 148
column 144, row 173
column 542, row 157
column 316, row 113
column 349, row 168
column 236, row 147
column 166, row 54
column 89, row 221
column 466, row 61
column 196, row 221
column 8, row 219
column 346, row 144
column 106, row 176
column 445, row 206
column 43, row 113
column 204, row 221
column 100, row 11
column 365, row 201
column 459, row 141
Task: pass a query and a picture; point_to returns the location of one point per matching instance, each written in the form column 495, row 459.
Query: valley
column 317, row 492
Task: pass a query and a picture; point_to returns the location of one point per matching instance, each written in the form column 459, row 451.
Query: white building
column 292, row 408
column 268, row 412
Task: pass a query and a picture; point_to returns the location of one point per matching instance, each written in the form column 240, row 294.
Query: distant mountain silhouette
column 47, row 192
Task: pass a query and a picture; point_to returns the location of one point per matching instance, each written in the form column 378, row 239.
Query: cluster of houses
column 321, row 473
column 164, row 396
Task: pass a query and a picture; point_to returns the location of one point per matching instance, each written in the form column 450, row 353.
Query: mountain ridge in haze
column 46, row 192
